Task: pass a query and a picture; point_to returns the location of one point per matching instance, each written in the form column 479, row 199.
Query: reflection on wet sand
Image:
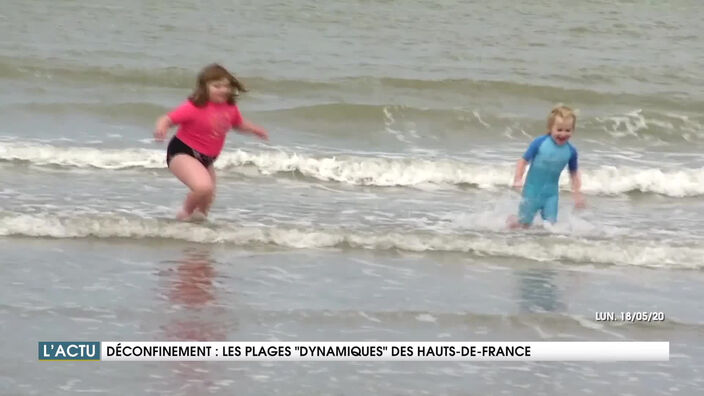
column 538, row 292
column 196, row 314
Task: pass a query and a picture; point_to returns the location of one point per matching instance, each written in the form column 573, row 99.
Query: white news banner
column 384, row 351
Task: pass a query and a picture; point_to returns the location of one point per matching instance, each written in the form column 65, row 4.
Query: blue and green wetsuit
column 540, row 191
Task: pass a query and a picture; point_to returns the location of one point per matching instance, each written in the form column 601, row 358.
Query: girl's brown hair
column 214, row 72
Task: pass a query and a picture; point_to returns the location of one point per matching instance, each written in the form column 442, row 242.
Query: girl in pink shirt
column 204, row 120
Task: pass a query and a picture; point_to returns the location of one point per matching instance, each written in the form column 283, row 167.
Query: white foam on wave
column 651, row 127
column 518, row 245
column 493, row 217
column 369, row 171
column 81, row 157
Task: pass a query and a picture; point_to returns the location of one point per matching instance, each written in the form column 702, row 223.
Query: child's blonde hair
column 563, row 112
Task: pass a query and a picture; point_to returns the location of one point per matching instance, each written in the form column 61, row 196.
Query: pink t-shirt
column 204, row 128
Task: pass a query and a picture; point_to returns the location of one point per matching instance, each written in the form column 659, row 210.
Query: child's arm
column 162, row 127
column 520, row 171
column 576, row 179
column 250, row 127
column 525, row 160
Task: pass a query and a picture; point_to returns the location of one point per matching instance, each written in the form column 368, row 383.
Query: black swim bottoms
column 177, row 146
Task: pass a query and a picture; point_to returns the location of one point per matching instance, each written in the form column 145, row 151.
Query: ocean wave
column 648, row 126
column 81, row 157
column 652, row 128
column 32, row 68
column 639, row 126
column 126, row 112
column 535, row 247
column 178, row 77
column 367, row 171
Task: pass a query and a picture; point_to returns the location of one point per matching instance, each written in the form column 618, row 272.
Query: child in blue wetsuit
column 548, row 155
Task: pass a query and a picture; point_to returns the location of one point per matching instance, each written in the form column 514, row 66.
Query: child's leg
column 549, row 212
column 527, row 209
column 194, row 175
column 205, row 204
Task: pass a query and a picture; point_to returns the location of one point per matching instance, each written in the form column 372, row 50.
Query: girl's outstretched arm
column 249, row 127
column 518, row 176
column 162, row 127
column 576, row 179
